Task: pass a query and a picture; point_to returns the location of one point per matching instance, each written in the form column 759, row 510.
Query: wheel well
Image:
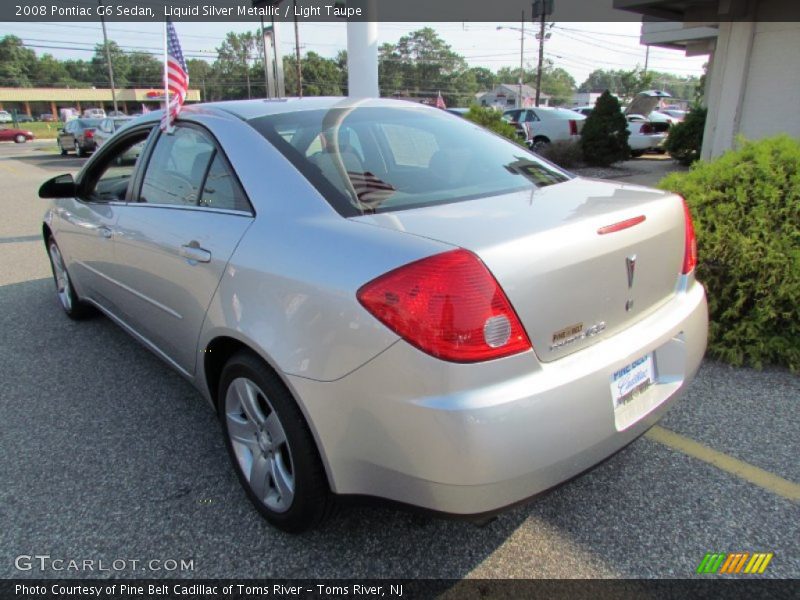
column 541, row 138
column 216, row 354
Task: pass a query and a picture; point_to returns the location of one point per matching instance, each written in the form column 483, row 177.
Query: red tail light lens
column 646, row 129
column 573, row 127
column 448, row 305
column 690, row 242
column 88, row 134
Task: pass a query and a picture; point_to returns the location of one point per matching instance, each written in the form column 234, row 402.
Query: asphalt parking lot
column 107, row 454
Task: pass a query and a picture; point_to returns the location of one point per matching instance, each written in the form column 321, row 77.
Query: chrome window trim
column 223, row 211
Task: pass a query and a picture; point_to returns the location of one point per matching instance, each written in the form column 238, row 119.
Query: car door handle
column 105, row 232
column 193, row 252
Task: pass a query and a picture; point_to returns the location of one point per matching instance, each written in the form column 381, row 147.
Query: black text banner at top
column 430, row 11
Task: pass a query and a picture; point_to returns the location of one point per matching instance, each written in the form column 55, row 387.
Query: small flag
column 176, row 77
column 145, row 110
column 440, row 102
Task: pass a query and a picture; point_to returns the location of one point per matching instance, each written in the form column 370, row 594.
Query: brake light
column 646, row 129
column 690, row 242
column 88, row 134
column 573, row 127
column 448, row 305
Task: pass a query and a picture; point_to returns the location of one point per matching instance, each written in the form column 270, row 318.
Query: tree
column 604, row 139
column 98, row 67
column 17, row 63
column 144, row 70
column 201, row 75
column 52, row 72
column 234, row 60
column 558, row 84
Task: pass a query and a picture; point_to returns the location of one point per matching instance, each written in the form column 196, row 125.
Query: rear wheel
column 78, row 150
column 539, row 143
column 271, row 446
column 637, row 153
column 20, row 139
column 61, row 148
column 67, row 297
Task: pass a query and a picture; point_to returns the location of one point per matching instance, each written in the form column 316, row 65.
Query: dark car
column 9, row 134
column 78, row 135
column 23, row 118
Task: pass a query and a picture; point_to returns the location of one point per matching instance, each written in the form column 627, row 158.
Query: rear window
column 381, row 159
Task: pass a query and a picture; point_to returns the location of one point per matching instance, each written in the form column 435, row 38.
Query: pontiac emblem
column 630, row 263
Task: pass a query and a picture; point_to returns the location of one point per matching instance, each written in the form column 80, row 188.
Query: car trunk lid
column 579, row 261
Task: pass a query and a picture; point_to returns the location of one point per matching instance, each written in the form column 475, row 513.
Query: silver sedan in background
column 384, row 299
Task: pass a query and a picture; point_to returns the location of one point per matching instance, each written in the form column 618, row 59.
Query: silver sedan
column 384, row 299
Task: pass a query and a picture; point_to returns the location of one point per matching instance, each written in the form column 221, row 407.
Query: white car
column 543, row 125
column 5, row 116
column 648, row 128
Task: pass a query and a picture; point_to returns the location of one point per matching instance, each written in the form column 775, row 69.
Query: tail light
column 573, row 127
column 448, row 305
column 88, row 134
column 690, row 242
column 646, row 129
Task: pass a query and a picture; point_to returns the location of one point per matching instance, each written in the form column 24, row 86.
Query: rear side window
column 186, row 169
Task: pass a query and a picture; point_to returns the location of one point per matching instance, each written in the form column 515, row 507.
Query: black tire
column 312, row 501
column 70, row 302
column 61, row 148
column 20, row 139
column 78, row 150
column 539, row 143
column 637, row 153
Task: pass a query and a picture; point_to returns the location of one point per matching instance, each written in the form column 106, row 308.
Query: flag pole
column 167, row 128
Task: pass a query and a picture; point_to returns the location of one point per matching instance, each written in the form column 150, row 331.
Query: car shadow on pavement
column 52, row 161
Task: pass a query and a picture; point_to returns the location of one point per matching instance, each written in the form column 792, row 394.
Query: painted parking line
column 764, row 479
column 21, row 238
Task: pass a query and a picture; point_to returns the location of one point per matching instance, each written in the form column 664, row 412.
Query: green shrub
column 604, row 138
column 746, row 208
column 493, row 121
column 685, row 139
column 566, row 154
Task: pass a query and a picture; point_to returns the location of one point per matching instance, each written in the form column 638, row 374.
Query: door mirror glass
column 62, row 186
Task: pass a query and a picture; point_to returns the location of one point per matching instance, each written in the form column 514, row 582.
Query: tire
column 78, row 150
column 61, row 148
column 20, row 139
column 262, row 422
column 637, row 153
column 539, row 143
column 65, row 291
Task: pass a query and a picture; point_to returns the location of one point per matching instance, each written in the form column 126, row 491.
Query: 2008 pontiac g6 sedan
column 384, row 299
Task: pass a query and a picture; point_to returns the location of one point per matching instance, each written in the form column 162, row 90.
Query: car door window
column 109, row 180
column 221, row 190
column 177, row 168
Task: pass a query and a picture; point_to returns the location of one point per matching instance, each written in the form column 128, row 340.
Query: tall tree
column 99, row 65
column 236, row 55
column 17, row 63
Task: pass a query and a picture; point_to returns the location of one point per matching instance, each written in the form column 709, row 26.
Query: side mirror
column 62, row 186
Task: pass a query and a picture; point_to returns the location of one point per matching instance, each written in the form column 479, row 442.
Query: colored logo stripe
column 733, row 563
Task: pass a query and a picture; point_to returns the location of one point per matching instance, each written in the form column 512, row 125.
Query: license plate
column 628, row 384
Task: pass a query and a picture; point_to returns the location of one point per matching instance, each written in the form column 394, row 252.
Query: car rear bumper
column 647, row 142
column 471, row 439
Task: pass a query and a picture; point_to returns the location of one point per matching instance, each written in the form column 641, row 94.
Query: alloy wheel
column 260, row 445
column 63, row 286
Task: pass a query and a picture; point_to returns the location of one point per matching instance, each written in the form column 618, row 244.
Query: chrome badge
column 630, row 263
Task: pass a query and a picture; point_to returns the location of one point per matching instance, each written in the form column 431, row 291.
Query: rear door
column 174, row 240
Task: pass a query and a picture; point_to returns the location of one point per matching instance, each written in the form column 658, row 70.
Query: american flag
column 177, row 77
column 440, row 102
column 371, row 190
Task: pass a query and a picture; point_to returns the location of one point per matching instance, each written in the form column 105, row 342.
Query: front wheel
column 78, row 150
column 67, row 297
column 61, row 148
column 271, row 446
column 539, row 144
column 20, row 139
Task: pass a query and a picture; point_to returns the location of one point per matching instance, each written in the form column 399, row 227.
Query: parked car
column 5, row 116
column 23, row 118
column 20, row 136
column 543, row 125
column 108, row 127
column 648, row 128
column 78, row 135
column 676, row 114
column 381, row 300
column 46, row 117
column 116, row 113
column 94, row 113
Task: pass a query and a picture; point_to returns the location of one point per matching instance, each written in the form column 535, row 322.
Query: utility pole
column 108, row 59
column 541, row 55
column 646, row 59
column 297, row 53
column 521, row 59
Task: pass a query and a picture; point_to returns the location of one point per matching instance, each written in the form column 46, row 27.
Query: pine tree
column 604, row 139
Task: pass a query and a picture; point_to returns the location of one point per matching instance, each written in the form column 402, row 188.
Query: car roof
column 252, row 109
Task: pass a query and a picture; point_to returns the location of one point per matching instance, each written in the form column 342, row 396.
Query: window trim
column 136, row 190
